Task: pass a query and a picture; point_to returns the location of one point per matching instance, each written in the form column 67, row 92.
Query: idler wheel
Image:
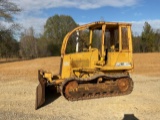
column 71, row 86
column 123, row 84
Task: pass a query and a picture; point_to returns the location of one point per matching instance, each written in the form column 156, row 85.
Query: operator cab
column 114, row 45
column 106, row 46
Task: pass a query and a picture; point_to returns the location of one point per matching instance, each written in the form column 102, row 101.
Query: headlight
column 126, row 64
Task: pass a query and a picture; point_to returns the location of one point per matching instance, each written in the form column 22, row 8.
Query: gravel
column 18, row 81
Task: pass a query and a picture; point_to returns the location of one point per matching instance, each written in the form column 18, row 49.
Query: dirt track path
column 18, row 82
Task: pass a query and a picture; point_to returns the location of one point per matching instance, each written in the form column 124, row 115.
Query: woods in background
column 148, row 41
column 56, row 27
column 9, row 46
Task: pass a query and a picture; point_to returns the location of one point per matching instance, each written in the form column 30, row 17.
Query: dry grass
column 3, row 60
column 28, row 68
column 144, row 64
column 18, row 81
column 147, row 64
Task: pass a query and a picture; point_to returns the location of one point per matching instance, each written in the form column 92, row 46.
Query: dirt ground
column 18, row 81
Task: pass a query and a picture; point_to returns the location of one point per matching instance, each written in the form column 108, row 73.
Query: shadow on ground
column 130, row 117
column 50, row 96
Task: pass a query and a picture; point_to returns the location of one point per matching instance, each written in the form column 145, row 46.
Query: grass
column 4, row 60
column 147, row 64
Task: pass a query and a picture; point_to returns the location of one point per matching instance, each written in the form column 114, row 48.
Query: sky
column 36, row 12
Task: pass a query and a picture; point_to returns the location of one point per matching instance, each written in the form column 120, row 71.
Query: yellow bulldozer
column 97, row 66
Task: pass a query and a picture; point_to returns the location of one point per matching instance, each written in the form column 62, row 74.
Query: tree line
column 148, row 41
column 9, row 46
column 56, row 27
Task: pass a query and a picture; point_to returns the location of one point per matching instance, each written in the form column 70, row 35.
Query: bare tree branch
column 8, row 9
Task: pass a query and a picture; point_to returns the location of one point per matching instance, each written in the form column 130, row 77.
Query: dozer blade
column 40, row 91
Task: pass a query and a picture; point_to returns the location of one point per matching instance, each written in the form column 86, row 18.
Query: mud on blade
column 40, row 91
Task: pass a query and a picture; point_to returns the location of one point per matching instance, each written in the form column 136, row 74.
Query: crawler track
column 97, row 86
